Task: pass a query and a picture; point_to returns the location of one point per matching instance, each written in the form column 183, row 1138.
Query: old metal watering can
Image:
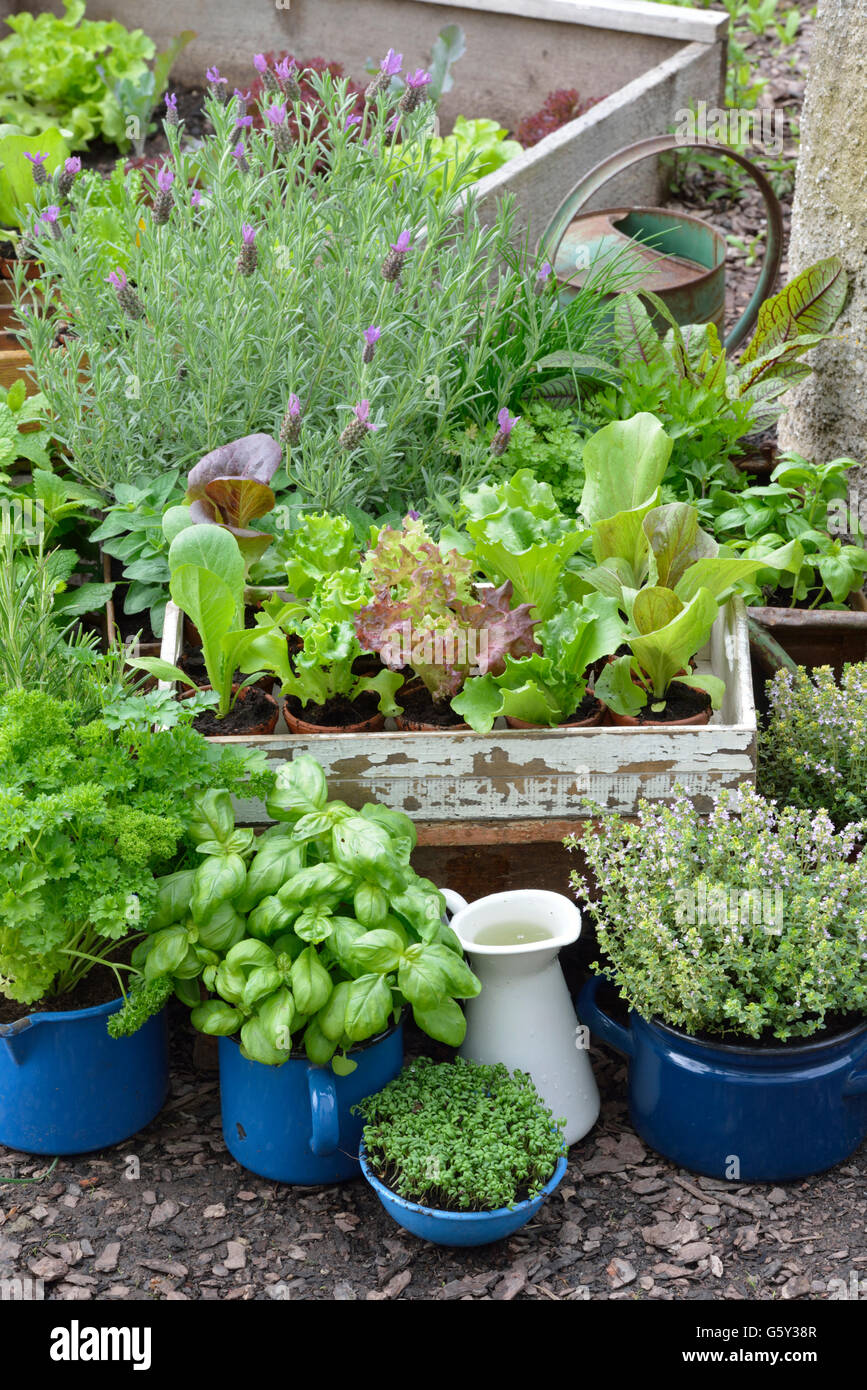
column 678, row 257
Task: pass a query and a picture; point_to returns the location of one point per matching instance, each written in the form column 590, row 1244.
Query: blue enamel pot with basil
column 754, row 1114
column 294, row 1122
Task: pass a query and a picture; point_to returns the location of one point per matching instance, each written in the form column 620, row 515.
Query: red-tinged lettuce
column 229, row 487
column 425, row 613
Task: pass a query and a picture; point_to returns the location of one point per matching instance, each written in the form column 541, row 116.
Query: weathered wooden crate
column 516, row 785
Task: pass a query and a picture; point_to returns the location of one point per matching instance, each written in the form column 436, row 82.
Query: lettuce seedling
column 229, row 487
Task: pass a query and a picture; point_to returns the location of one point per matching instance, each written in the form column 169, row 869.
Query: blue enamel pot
column 66, row 1087
column 459, row 1227
column 294, row 1123
column 754, row 1114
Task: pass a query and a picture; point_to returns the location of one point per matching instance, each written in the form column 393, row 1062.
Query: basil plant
column 315, row 935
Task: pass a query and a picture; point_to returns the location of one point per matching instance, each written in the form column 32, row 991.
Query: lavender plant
column 813, row 750
column 751, row 920
column 313, row 281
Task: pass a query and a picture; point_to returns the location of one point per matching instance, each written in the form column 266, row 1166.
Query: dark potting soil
column 420, row 709
column 98, row 987
column 682, row 703
column 337, row 713
column 585, row 710
column 251, row 708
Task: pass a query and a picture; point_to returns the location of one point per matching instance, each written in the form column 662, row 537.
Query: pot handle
column 600, row 1023
column 323, row 1110
column 16, row 1037
column 855, row 1084
column 454, row 902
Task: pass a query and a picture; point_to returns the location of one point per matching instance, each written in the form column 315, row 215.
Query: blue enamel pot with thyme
column 737, row 941
column 751, row 1114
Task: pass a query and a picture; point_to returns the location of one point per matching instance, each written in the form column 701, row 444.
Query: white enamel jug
column 524, row 1016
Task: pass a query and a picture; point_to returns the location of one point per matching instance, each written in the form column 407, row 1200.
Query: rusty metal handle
column 595, row 178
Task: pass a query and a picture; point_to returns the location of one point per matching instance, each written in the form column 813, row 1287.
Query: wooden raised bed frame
column 516, row 786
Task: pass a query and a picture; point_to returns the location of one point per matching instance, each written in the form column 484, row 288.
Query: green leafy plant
column 473, row 149
column 458, row 1136
column 17, row 442
column 547, row 687
column 229, row 487
column 802, row 502
column 207, row 583
column 132, row 532
column 86, row 816
column 16, row 170
column 316, row 935
column 77, row 74
column 813, row 748
column 751, row 920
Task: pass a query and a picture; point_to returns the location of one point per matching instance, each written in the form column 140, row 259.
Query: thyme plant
column 813, row 750
column 312, row 288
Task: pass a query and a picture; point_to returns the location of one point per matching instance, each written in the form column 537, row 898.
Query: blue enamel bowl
column 459, row 1227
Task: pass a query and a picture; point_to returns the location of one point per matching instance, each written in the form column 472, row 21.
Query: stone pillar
column 827, row 415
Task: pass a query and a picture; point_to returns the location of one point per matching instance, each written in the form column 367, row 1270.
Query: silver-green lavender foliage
column 750, row 920
column 461, row 1136
column 813, row 750
column 217, row 353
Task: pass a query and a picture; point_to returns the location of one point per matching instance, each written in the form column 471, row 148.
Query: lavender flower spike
column 287, row 79
column 269, row 81
column 393, row 263
column 276, row 115
column 164, row 202
column 171, row 109
column 217, row 85
column 196, row 198
column 358, row 428
column 506, row 423
column 38, row 161
column 249, row 257
column 290, row 430
column 240, row 154
column 388, row 68
column 126, row 296
column 68, row 174
column 49, row 217
column 414, row 92
column 371, row 338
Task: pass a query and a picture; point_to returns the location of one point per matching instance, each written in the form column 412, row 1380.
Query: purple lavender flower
column 217, row 85
column 196, row 198
column 249, row 257
column 506, row 423
column 545, row 269
column 163, row 202
column 358, row 428
column 269, row 81
column 240, row 154
column 38, row 161
column 243, row 97
column 287, row 79
column 244, row 122
column 49, row 217
column 260, row 63
column 68, row 174
column 351, row 121
column 371, row 338
column 388, row 68
column 393, row 263
column 126, row 296
column 276, row 115
column 414, row 93
column 171, row 109
column 290, row 430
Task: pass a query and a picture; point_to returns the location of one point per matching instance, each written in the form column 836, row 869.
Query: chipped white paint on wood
column 623, row 16
column 516, row 774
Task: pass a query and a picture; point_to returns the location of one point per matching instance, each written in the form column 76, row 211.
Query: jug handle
column 615, row 1034
column 323, row 1109
column 454, row 902
column 15, row 1036
column 593, row 180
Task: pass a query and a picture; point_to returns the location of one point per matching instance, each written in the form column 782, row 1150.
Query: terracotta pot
column 301, row 726
column 419, row 726
column 628, row 721
column 589, row 723
column 267, row 726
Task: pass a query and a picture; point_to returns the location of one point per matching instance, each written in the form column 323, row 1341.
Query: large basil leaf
column 311, row 982
column 301, row 788
column 368, row 1007
column 216, row 1018
column 445, row 1022
column 218, row 878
